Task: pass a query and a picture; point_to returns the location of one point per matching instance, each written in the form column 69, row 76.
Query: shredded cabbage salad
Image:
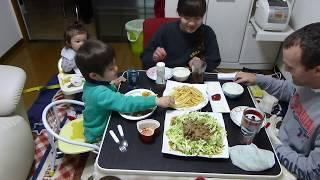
column 212, row 146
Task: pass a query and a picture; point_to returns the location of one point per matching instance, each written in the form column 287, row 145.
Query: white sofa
column 16, row 142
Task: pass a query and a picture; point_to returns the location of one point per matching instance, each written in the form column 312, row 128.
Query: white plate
column 201, row 87
column 152, row 73
column 214, row 87
column 137, row 92
column 65, row 84
column 165, row 144
column 236, row 114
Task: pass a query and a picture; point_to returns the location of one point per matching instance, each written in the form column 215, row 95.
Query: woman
column 184, row 42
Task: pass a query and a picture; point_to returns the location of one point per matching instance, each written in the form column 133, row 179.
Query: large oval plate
column 201, row 87
column 152, row 73
column 138, row 92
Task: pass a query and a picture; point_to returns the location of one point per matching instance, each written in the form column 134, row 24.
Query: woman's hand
column 194, row 61
column 117, row 81
column 159, row 54
column 246, row 78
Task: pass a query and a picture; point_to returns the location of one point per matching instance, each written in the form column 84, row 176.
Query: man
column 298, row 146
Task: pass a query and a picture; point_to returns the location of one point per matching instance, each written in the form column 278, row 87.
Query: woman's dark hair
column 308, row 39
column 94, row 56
column 192, row 8
column 73, row 29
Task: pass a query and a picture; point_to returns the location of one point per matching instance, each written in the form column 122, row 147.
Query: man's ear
column 94, row 76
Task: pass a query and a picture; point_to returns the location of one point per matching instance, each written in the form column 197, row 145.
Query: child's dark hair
column 72, row 30
column 308, row 39
column 94, row 56
column 192, row 8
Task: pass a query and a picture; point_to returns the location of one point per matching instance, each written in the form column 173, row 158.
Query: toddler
column 96, row 62
column 74, row 36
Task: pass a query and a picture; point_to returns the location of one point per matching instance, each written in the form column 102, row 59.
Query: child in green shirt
column 96, row 62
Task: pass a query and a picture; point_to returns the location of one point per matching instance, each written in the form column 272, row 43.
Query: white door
column 229, row 18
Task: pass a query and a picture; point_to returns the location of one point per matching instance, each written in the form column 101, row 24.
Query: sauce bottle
column 160, row 73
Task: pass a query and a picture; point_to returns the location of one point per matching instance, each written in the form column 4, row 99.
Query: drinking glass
column 251, row 122
column 198, row 68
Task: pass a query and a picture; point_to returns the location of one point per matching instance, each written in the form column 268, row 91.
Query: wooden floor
column 39, row 60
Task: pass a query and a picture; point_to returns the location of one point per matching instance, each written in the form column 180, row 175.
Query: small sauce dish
column 148, row 129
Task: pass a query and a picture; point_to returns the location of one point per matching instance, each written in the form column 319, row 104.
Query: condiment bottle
column 160, row 73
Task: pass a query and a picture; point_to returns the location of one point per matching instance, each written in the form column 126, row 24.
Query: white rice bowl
column 232, row 89
column 181, row 73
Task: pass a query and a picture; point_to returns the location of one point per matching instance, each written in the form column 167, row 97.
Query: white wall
column 10, row 32
column 304, row 12
column 170, row 9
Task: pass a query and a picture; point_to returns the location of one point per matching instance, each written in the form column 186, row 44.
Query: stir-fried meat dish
column 195, row 130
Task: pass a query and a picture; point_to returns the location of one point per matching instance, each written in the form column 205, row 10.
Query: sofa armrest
column 12, row 80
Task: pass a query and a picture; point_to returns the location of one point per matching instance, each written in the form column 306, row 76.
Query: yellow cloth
column 40, row 88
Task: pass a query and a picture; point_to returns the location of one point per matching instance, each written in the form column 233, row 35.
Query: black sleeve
column 166, row 37
column 212, row 53
column 146, row 56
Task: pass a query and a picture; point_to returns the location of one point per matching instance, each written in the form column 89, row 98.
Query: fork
column 123, row 142
column 122, row 148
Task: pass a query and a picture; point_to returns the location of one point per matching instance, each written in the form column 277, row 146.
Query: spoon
column 123, row 142
column 115, row 138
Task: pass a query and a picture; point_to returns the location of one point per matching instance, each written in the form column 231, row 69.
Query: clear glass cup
column 251, row 123
column 197, row 70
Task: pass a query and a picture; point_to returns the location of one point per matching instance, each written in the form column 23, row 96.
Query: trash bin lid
column 134, row 25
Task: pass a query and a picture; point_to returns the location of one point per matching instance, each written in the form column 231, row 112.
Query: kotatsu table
column 146, row 160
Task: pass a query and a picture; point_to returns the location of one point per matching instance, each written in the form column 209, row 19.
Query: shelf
column 270, row 35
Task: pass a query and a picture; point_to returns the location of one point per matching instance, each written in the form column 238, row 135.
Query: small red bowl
column 148, row 129
column 147, row 135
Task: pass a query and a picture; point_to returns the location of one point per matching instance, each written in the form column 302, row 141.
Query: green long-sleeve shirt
column 101, row 100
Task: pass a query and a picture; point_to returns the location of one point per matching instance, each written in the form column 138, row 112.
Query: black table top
column 148, row 157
